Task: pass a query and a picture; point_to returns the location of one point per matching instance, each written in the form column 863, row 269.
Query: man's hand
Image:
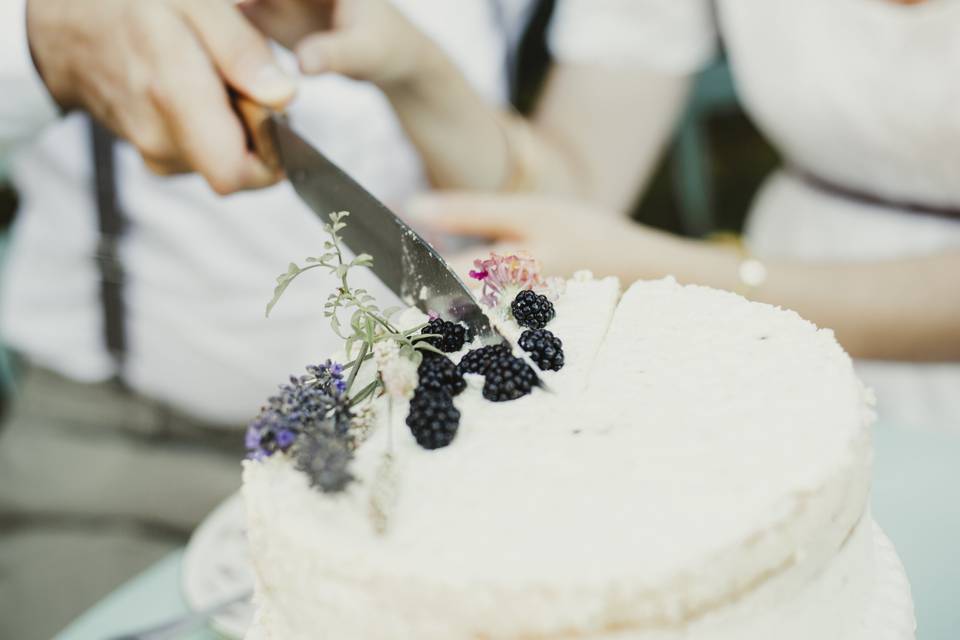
column 157, row 73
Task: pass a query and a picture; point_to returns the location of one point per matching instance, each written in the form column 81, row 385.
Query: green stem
column 356, row 367
column 364, row 393
column 356, row 360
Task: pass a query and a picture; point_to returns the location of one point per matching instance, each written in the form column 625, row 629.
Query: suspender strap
column 112, row 225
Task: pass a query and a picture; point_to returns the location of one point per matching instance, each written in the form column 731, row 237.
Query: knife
column 404, row 261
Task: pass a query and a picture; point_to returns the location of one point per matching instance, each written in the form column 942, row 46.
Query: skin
column 905, row 309
column 157, row 74
column 574, row 144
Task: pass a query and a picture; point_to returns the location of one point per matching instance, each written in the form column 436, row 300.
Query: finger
column 240, row 52
column 287, row 21
column 193, row 102
column 348, row 53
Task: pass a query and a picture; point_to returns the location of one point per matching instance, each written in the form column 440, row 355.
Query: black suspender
column 112, row 225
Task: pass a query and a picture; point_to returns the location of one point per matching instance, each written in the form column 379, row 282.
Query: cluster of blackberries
column 478, row 360
column 506, row 377
column 451, row 336
column 544, row 348
column 532, row 310
column 438, row 373
column 433, row 419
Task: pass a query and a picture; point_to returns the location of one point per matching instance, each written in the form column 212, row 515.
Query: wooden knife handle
column 259, row 129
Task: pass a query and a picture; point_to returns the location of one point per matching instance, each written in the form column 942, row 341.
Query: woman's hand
column 563, row 235
column 361, row 39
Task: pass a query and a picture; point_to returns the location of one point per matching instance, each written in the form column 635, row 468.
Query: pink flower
column 504, row 276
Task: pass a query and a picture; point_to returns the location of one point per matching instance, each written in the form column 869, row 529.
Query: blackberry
column 508, row 378
column 544, row 348
column 452, row 336
column 433, row 419
column 532, row 310
column 477, row 360
column 438, row 373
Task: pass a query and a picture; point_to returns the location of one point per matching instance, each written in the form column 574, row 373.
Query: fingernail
column 273, row 85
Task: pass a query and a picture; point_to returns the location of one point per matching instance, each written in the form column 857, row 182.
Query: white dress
column 863, row 93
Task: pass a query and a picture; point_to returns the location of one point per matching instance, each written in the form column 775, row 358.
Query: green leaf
column 362, row 260
column 283, row 281
column 426, row 346
column 335, row 324
column 419, row 327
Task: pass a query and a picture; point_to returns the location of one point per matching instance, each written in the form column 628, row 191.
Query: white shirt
column 862, row 92
column 200, row 268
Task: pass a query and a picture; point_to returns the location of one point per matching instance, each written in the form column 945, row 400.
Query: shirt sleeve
column 26, row 105
column 673, row 36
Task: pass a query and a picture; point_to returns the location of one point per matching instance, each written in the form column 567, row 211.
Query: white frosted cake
column 699, row 469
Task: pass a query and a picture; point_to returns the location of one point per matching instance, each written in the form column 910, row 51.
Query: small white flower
column 399, row 374
column 384, row 352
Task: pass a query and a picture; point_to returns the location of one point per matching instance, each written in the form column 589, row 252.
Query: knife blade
column 404, row 261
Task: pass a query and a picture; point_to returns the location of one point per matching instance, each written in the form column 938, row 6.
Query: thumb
column 488, row 216
column 344, row 52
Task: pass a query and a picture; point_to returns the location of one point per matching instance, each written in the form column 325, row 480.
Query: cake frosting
column 699, row 469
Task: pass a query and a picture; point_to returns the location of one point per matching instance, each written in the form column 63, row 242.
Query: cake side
column 694, row 464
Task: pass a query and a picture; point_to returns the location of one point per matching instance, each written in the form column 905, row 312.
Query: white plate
column 216, row 567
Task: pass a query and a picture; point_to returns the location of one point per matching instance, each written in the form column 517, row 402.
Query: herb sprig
column 368, row 324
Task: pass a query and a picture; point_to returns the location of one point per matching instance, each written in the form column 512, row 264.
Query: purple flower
column 307, row 403
column 285, row 438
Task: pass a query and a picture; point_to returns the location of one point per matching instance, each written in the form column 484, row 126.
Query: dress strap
column 112, row 224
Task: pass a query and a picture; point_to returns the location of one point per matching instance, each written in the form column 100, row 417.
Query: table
column 916, row 501
column 150, row 598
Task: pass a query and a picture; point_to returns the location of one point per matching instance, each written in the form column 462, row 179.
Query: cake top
column 691, row 444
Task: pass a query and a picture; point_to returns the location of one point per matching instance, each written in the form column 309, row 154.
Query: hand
column 156, row 72
column 361, row 39
column 564, row 235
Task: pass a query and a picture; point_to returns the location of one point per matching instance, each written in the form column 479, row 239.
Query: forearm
column 906, row 309
column 596, row 134
column 459, row 136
